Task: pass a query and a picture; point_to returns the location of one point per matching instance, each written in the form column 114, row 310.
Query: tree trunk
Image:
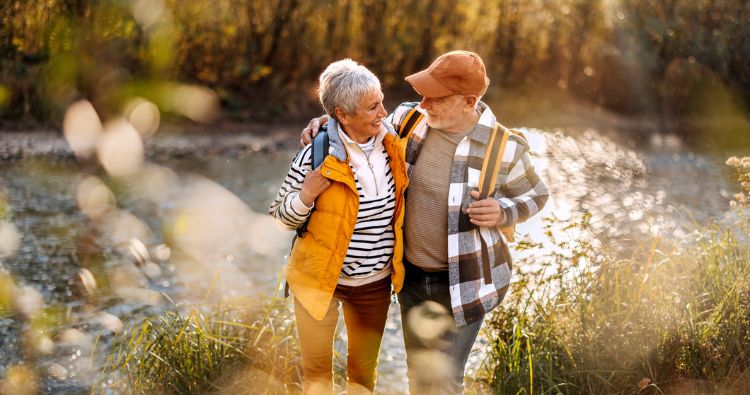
column 510, row 46
column 283, row 18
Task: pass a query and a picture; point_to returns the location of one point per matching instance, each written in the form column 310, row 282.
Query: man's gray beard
column 431, row 122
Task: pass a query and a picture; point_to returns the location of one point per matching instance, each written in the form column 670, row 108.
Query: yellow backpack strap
column 411, row 120
column 493, row 156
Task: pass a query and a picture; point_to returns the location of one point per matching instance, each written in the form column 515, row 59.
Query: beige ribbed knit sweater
column 426, row 217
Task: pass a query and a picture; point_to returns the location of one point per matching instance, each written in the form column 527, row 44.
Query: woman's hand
column 313, row 185
column 311, row 130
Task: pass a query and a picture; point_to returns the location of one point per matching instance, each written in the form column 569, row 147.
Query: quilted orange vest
column 318, row 256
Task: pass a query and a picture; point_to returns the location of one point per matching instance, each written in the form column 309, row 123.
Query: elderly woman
column 350, row 253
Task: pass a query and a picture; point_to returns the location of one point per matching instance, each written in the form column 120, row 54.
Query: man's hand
column 312, row 130
column 313, row 185
column 485, row 212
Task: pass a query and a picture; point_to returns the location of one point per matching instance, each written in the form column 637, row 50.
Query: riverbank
column 233, row 133
column 541, row 107
column 173, row 141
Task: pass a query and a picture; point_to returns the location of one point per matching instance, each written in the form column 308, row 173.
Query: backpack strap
column 320, row 145
column 493, row 157
column 411, row 120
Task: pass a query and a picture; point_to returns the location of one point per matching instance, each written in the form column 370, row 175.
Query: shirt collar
column 378, row 138
column 484, row 126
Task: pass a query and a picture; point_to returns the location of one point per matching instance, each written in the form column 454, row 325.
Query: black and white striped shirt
column 371, row 246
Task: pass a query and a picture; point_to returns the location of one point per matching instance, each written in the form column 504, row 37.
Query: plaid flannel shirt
column 520, row 192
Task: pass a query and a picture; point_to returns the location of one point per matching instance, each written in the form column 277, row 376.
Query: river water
column 202, row 223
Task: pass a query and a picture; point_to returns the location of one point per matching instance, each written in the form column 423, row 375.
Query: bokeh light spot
column 10, row 239
column 148, row 12
column 94, row 198
column 120, row 149
column 20, row 380
column 144, row 116
column 82, row 128
column 430, row 321
column 197, row 103
column 28, row 301
column 122, row 227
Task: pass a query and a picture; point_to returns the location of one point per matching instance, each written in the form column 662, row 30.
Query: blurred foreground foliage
column 654, row 57
column 672, row 318
column 225, row 349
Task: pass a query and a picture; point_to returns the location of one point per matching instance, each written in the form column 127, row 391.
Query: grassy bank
column 669, row 319
column 227, row 349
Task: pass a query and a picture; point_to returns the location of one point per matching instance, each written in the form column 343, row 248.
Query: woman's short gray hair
column 342, row 85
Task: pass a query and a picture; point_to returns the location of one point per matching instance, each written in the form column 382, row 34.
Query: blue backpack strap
column 320, row 145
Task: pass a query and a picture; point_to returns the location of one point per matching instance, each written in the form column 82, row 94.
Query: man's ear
column 471, row 101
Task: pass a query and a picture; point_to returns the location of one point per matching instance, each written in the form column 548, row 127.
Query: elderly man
column 456, row 256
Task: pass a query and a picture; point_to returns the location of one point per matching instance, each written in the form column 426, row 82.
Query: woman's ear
column 341, row 116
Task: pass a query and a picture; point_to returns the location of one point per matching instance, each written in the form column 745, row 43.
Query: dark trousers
column 436, row 350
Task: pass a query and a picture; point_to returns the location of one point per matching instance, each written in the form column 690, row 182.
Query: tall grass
column 207, row 349
column 672, row 318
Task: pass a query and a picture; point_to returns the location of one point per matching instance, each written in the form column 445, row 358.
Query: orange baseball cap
column 456, row 72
